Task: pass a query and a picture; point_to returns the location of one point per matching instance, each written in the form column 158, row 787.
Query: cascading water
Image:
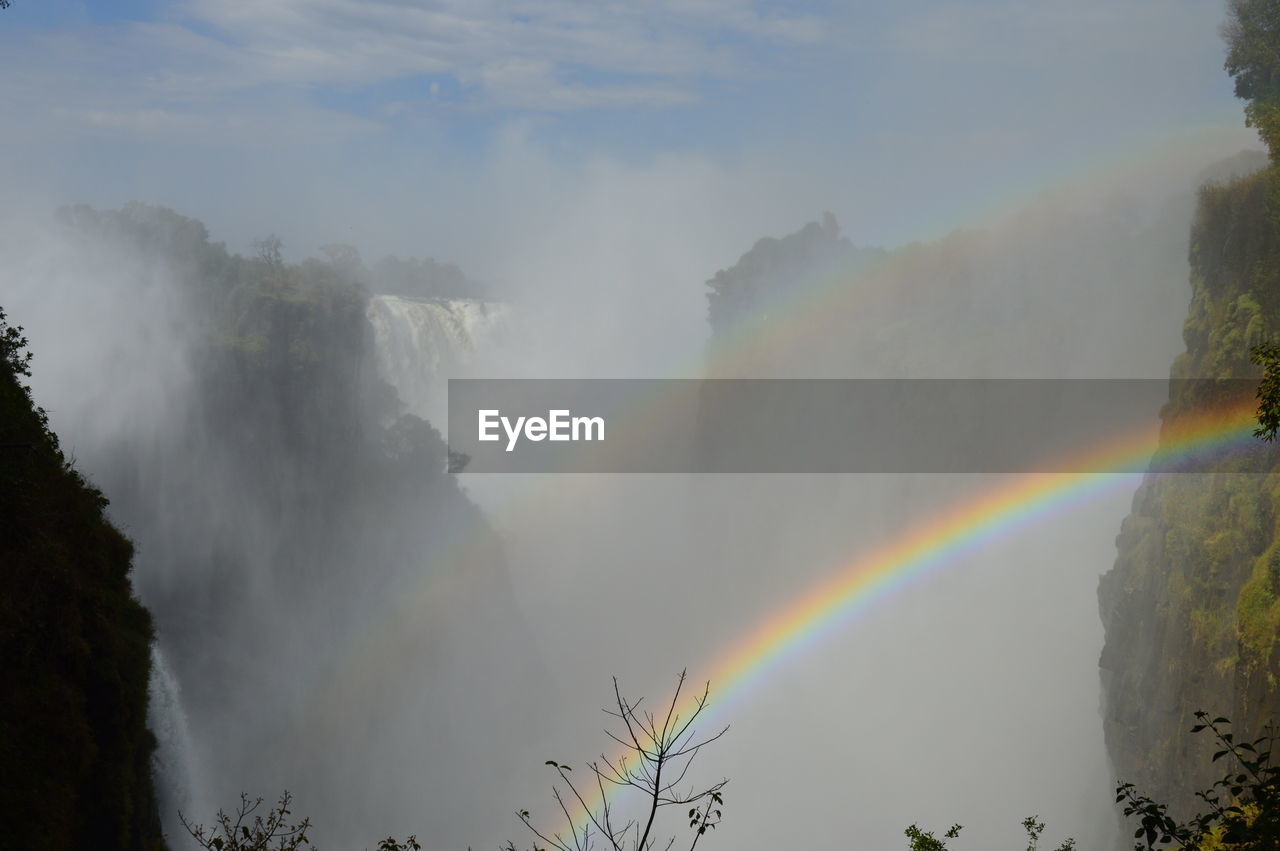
column 176, row 771
column 420, row 341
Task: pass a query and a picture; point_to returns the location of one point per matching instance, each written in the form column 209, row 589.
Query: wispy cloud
column 534, row 54
column 154, row 83
column 221, row 69
column 873, row 110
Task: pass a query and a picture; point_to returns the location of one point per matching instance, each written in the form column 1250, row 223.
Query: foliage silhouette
column 275, row 830
column 921, row 840
column 1267, row 356
column 657, row 753
column 75, row 751
column 1252, row 33
column 1243, row 807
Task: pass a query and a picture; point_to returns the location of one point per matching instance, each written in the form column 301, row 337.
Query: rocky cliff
column 1191, row 609
column 326, row 598
column 75, row 752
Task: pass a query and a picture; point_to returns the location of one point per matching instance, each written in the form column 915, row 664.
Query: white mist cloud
column 603, row 160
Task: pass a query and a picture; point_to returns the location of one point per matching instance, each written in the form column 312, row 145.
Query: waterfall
column 174, row 759
column 420, row 342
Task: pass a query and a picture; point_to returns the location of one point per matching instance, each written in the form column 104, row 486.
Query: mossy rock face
column 1191, row 608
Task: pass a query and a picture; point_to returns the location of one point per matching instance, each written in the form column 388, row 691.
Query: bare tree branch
column 658, row 751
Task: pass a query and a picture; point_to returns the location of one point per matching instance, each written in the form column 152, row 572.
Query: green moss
column 1249, row 313
column 1221, row 548
column 1257, row 618
column 1207, row 627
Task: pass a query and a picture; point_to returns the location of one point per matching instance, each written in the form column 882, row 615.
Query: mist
column 401, row 647
column 974, row 690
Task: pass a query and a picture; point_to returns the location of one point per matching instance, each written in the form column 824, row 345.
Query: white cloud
column 241, row 71
column 533, row 84
column 154, row 82
column 663, row 48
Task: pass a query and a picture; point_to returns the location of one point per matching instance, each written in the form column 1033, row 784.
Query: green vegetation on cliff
column 763, row 276
column 75, row 752
column 1252, row 31
column 1191, row 607
column 284, row 506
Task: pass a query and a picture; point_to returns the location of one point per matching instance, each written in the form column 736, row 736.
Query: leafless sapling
column 647, row 776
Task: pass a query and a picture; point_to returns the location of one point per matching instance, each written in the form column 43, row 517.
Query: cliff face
column 1020, row 297
column 75, row 752
column 324, row 592
column 1190, row 608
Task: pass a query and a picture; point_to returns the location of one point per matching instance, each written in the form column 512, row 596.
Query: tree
column 274, row 831
column 269, row 250
column 75, row 751
column 1252, row 33
column 1267, row 356
column 13, row 346
column 921, row 840
column 250, row 830
column 658, row 751
column 1243, row 807
column 345, row 259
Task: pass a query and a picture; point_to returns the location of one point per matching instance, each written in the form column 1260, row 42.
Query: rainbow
column 831, row 604
column 825, row 608
column 822, row 305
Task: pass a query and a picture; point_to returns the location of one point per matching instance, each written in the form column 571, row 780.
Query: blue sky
column 320, row 119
